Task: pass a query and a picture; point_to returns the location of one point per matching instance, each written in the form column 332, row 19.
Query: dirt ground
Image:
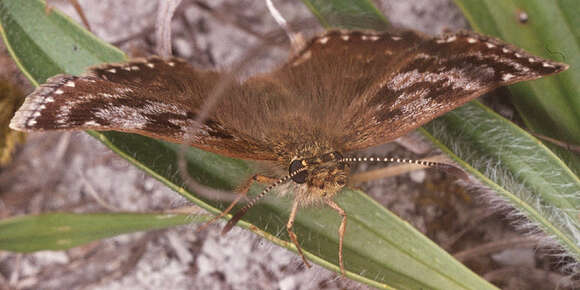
column 67, row 171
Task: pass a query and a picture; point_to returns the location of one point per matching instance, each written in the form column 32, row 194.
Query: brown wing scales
column 345, row 90
column 378, row 87
column 151, row 97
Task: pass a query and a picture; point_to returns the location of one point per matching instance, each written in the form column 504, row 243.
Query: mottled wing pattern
column 439, row 75
column 345, row 90
column 396, row 82
column 152, row 97
column 325, row 81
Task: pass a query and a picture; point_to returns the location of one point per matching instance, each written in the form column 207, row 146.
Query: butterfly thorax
column 322, row 176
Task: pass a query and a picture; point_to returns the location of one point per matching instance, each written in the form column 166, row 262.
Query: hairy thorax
column 322, row 177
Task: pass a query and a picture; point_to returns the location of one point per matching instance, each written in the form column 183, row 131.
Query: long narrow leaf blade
column 549, row 186
column 549, row 106
column 61, row 231
column 525, row 173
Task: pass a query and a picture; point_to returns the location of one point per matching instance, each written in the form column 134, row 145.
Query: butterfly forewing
column 152, row 97
column 385, row 85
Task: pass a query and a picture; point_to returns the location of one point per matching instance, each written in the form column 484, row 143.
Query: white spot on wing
column 471, row 40
column 304, row 57
column 123, row 117
column 546, row 64
column 507, row 77
column 70, row 84
column 323, row 40
column 112, row 70
column 454, row 78
column 91, row 123
column 123, row 90
column 58, row 92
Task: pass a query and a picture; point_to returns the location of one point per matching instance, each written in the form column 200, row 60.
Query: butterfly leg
column 341, row 230
column 242, row 193
column 291, row 233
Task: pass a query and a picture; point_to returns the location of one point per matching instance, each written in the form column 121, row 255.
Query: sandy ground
column 62, row 172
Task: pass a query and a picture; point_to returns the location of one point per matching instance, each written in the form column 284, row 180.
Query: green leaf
column 541, row 185
column 49, row 43
column 380, row 249
column 549, row 106
column 525, row 174
column 361, row 14
column 61, row 231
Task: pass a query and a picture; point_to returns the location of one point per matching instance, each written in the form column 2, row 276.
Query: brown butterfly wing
column 304, row 108
column 152, row 97
column 343, row 91
column 381, row 86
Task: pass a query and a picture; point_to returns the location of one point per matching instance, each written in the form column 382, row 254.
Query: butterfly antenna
column 232, row 222
column 446, row 167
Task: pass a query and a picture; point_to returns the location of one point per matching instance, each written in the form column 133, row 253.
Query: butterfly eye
column 301, row 176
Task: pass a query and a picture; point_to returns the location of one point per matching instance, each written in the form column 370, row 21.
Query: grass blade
column 61, row 231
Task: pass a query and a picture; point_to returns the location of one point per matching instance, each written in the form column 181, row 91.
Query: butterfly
column 343, row 91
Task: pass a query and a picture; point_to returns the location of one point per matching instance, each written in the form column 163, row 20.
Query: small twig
column 144, row 32
column 163, row 28
column 297, row 41
column 567, row 146
column 492, row 247
column 480, row 216
column 15, row 275
column 61, row 149
column 137, row 250
column 81, row 13
column 94, row 194
column 223, row 18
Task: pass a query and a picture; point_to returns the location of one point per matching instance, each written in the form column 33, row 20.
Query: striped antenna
column 446, row 167
column 232, row 222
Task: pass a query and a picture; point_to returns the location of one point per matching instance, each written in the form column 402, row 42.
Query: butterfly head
column 324, row 175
